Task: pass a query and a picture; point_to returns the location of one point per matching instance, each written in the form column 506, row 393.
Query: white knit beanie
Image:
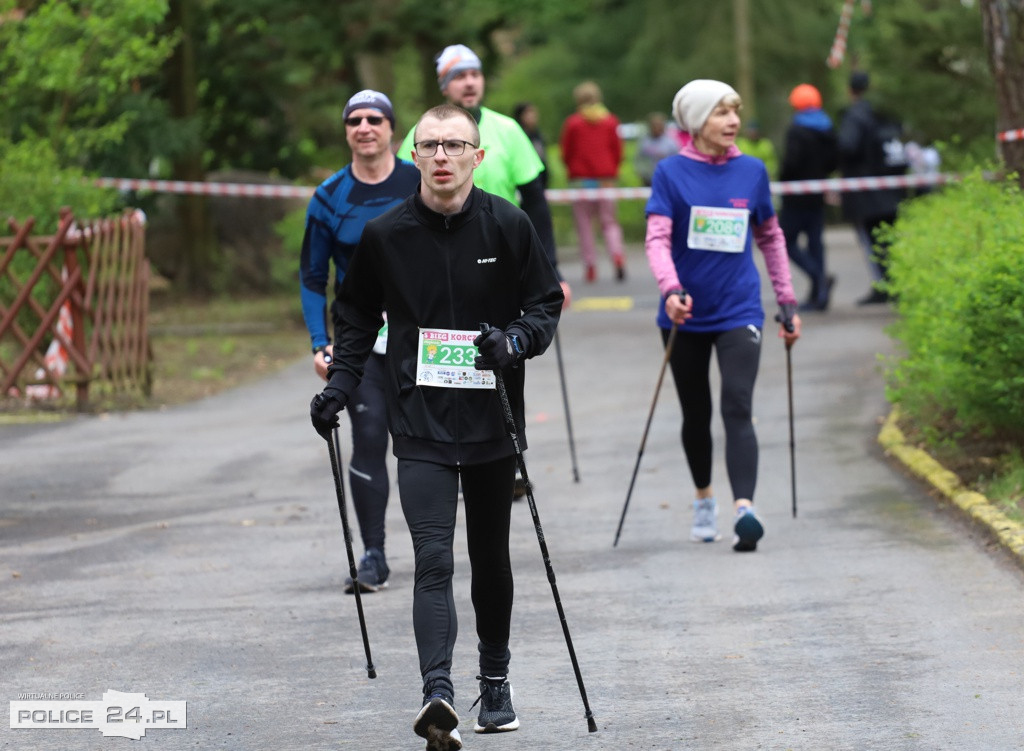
column 694, row 103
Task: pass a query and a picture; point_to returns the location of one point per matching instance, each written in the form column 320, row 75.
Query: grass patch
column 200, row 348
column 986, row 464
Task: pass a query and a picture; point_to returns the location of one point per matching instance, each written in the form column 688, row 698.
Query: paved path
column 195, row 554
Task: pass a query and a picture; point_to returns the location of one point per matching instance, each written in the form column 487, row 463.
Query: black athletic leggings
column 430, row 498
column 367, row 470
column 739, row 353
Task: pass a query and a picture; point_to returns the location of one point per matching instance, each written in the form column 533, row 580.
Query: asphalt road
column 195, row 554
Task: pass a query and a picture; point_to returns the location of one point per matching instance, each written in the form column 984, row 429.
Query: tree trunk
column 427, row 50
column 197, row 249
column 1003, row 24
column 376, row 70
column 744, row 58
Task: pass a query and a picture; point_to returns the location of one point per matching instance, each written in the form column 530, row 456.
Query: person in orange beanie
column 810, row 153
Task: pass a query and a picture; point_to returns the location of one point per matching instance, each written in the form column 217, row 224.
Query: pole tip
column 591, row 724
column 370, row 672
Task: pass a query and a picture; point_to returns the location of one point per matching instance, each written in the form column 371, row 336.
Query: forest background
column 219, row 90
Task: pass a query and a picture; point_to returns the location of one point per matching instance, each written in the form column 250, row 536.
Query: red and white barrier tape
column 790, row 187
column 554, row 195
column 838, row 51
column 247, row 190
column 571, row 195
column 1011, row 135
column 856, row 184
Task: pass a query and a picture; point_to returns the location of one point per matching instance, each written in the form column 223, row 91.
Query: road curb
column 1009, row 534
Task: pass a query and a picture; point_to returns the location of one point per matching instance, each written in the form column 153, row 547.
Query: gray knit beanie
column 454, row 59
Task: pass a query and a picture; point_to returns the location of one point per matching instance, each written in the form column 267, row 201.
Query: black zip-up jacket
column 484, row 264
column 810, row 154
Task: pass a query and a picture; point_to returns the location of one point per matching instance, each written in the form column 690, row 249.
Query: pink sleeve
column 659, row 252
column 772, row 243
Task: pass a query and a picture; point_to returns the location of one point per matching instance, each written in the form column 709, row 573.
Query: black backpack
column 886, row 152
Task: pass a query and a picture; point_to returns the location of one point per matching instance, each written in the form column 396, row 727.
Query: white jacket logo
column 486, row 260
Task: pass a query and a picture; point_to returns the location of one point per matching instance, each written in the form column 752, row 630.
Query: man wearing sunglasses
column 444, row 261
column 373, row 182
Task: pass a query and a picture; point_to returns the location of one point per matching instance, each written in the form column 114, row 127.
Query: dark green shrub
column 957, row 269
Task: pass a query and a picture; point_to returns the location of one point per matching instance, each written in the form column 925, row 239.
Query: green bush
column 35, row 184
column 284, row 266
column 957, row 270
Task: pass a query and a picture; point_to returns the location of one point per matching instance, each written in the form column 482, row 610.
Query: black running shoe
column 748, row 529
column 372, row 574
column 496, row 712
column 436, row 722
column 874, row 297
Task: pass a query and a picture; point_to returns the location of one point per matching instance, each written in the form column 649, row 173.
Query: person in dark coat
column 866, row 210
column 810, row 153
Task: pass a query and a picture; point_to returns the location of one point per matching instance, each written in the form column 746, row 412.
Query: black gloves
column 785, row 315
column 497, row 350
column 324, row 409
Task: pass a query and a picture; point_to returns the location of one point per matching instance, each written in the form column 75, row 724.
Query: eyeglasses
column 371, row 119
column 452, row 147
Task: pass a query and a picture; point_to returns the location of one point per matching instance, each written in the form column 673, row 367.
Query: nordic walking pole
column 787, row 324
column 334, row 449
column 565, row 401
column 792, row 442
column 510, row 426
column 647, row 427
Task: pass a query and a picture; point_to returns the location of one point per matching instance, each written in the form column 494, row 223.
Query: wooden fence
column 74, row 307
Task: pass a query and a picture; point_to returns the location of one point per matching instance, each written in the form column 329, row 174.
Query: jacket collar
column 440, row 221
column 699, row 156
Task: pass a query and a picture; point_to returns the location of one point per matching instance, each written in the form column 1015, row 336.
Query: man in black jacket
column 810, row 154
column 440, row 263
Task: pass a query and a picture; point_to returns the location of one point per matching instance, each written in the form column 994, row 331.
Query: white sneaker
column 705, row 521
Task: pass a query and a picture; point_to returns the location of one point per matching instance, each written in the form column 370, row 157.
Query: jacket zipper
column 451, row 318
